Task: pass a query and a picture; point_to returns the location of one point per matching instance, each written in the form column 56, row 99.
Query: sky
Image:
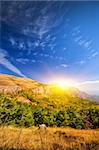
column 51, row 40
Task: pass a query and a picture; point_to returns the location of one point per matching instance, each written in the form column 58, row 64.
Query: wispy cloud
column 35, row 54
column 88, row 82
column 81, row 62
column 21, row 45
column 6, row 63
column 64, row 65
column 12, row 41
column 25, row 60
column 90, row 86
column 35, row 28
column 93, row 55
column 33, row 60
column 41, row 27
column 81, row 39
column 17, row 43
column 22, row 60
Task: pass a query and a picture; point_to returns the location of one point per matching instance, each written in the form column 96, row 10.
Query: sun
column 64, row 84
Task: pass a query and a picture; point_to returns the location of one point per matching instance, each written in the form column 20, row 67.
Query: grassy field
column 33, row 138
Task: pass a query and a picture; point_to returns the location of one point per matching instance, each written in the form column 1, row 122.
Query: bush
column 27, row 115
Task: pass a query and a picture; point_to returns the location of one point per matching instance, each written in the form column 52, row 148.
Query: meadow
column 33, row 138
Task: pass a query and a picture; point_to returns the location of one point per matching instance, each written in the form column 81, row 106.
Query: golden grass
column 9, row 82
column 49, row 139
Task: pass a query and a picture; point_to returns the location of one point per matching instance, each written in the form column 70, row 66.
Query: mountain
column 13, row 84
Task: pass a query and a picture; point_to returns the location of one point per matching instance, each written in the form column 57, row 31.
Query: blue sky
column 50, row 40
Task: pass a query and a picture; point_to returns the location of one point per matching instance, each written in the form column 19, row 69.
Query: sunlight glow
column 65, row 84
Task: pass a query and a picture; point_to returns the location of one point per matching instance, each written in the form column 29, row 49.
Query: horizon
column 51, row 41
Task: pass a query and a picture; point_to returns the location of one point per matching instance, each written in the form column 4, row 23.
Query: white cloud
column 33, row 61
column 22, row 60
column 42, row 26
column 91, row 87
column 35, row 53
column 93, row 55
column 64, row 65
column 12, row 41
column 25, row 60
column 6, row 63
column 87, row 43
column 81, row 42
column 81, row 62
column 89, row 82
column 21, row 45
column 36, row 43
column 64, row 49
column 81, row 39
column 77, row 38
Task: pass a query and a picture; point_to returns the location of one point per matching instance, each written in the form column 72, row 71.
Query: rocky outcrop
column 9, row 89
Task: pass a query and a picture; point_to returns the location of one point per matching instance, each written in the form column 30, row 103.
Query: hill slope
column 12, row 84
column 49, row 95
column 24, row 102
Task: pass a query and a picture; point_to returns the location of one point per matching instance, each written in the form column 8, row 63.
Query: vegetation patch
column 17, row 113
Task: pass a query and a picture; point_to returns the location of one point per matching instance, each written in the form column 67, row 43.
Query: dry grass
column 50, row 139
column 12, row 84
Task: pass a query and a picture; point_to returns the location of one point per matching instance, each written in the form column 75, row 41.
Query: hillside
column 29, row 91
column 12, row 84
column 24, row 102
